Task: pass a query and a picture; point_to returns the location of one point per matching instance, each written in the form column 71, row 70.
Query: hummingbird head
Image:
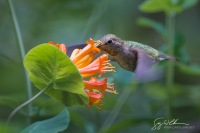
column 111, row 44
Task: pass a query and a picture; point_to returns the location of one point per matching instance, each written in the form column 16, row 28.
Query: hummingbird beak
column 98, row 43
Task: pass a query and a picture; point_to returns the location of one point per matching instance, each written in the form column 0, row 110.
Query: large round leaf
column 47, row 64
column 56, row 124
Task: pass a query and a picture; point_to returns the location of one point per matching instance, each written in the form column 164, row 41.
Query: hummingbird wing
column 143, row 65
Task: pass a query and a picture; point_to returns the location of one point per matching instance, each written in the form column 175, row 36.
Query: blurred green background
column 137, row 105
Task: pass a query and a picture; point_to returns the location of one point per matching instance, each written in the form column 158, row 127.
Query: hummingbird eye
column 109, row 41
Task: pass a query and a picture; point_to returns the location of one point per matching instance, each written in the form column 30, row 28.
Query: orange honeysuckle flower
column 83, row 60
column 93, row 83
column 100, row 85
column 89, row 48
column 94, row 98
column 62, row 46
column 100, row 65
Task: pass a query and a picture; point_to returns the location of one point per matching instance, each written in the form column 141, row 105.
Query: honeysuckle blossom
column 88, row 67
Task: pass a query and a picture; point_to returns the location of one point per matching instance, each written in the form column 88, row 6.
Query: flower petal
column 89, row 48
column 94, row 98
column 100, row 65
column 93, row 83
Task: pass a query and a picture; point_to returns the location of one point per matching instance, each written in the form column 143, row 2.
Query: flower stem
column 22, row 52
column 170, row 67
column 25, row 103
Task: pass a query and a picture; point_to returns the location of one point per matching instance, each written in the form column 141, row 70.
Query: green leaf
column 146, row 22
column 47, row 64
column 167, row 6
column 56, row 124
column 152, row 6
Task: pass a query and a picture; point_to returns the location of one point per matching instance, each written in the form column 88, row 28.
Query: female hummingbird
column 130, row 55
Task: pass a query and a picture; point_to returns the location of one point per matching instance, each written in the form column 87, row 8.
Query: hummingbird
column 132, row 56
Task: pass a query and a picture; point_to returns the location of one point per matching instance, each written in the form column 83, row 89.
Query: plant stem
column 22, row 52
column 170, row 67
column 25, row 103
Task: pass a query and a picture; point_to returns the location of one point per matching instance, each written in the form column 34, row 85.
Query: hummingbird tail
column 163, row 56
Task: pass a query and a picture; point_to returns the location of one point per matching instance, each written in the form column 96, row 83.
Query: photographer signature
column 159, row 122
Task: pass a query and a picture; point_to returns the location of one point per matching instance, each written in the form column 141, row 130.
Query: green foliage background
column 136, row 106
